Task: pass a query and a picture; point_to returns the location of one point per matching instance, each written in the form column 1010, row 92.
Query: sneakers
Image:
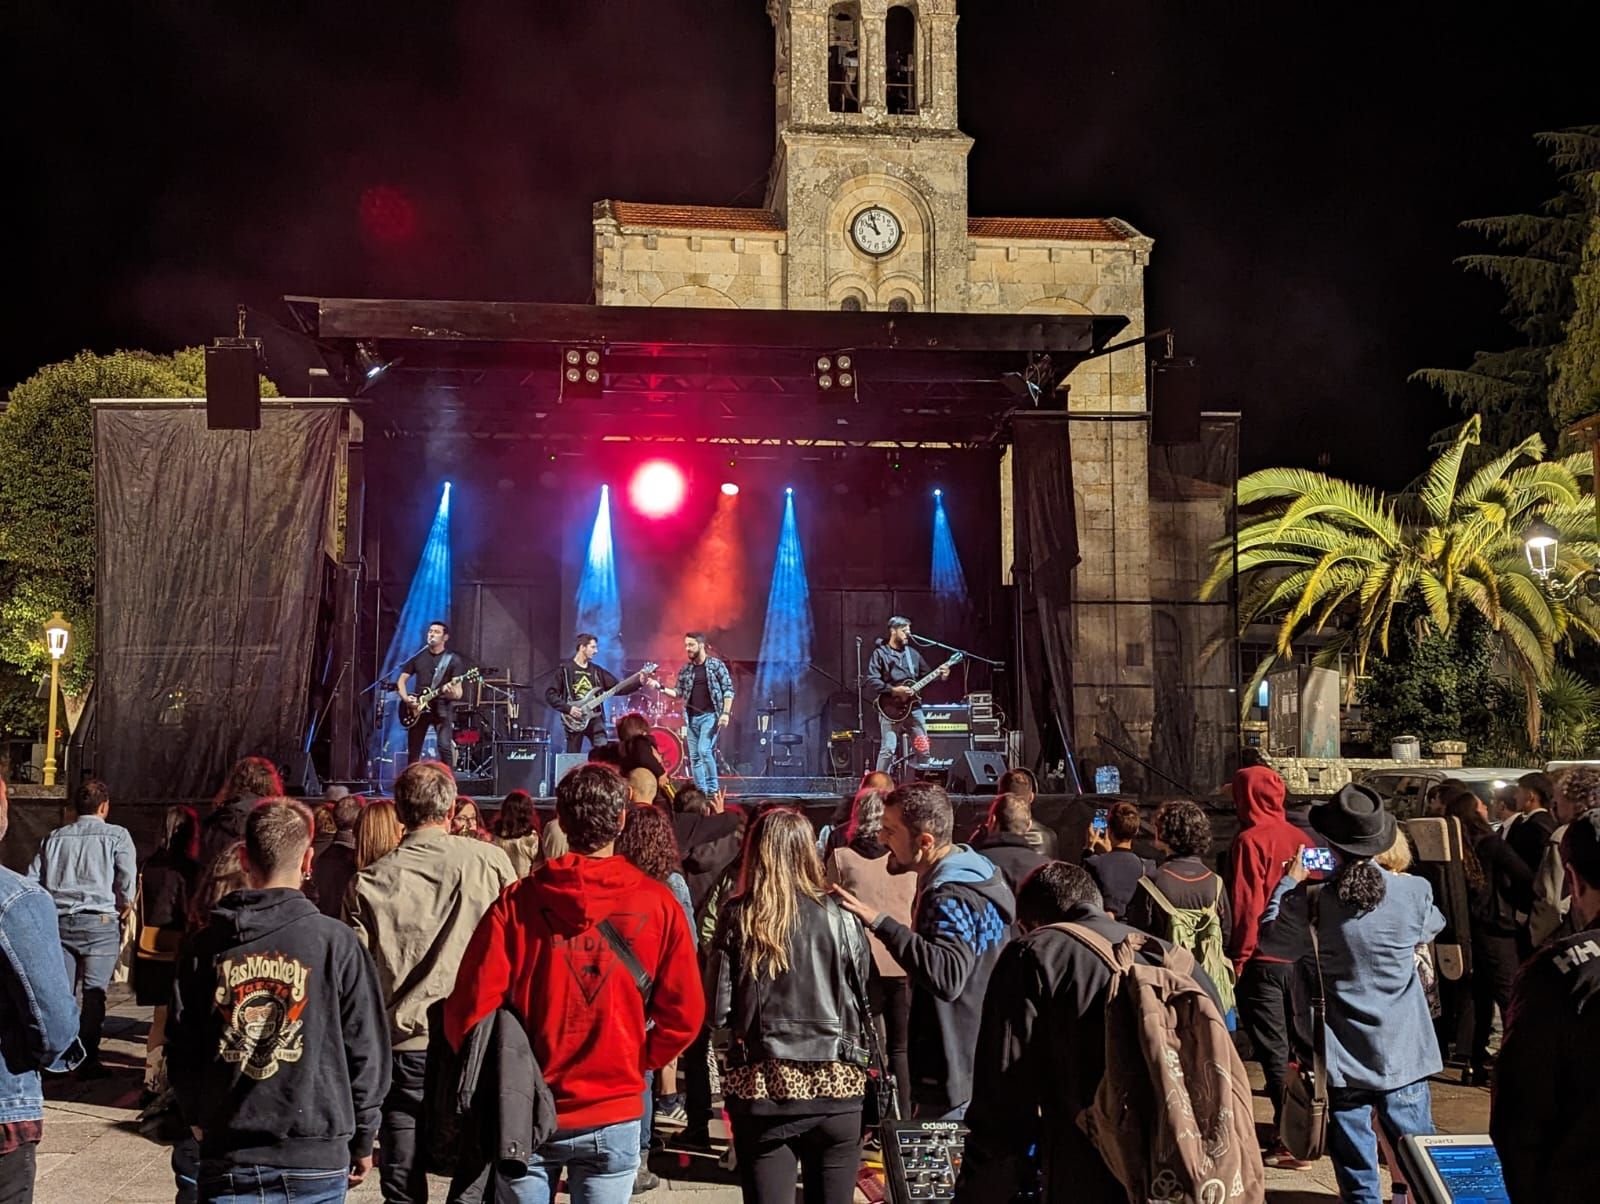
column 90, row 1070
column 693, row 1138
column 670, row 1110
column 645, row 1180
column 1280, row 1157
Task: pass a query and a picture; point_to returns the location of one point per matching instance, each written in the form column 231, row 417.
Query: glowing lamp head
column 1542, row 543
column 729, row 489
column 788, row 491
column 56, row 633
column 657, row 489
column 938, row 493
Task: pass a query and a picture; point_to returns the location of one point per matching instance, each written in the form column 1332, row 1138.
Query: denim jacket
column 718, row 681
column 87, row 865
column 38, row 1016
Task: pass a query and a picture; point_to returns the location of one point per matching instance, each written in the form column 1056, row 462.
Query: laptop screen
column 1471, row 1173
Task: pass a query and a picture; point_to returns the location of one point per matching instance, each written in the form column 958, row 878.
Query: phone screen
column 1098, row 823
column 1317, row 859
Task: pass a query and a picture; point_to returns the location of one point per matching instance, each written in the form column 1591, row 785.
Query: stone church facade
column 866, row 208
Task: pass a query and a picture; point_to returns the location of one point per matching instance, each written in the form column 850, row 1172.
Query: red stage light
column 729, row 489
column 657, row 489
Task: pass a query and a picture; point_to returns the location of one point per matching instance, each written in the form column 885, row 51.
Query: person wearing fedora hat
column 1546, row 1111
column 1380, row 1043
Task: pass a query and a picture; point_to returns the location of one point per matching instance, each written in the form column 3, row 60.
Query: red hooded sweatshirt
column 538, row 951
column 1265, row 843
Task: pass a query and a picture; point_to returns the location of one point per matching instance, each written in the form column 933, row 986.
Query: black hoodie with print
column 277, row 1041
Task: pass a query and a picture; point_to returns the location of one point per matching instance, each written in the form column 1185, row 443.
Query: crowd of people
column 324, row 979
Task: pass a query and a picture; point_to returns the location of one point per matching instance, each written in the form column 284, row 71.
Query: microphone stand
column 861, row 710
column 971, row 656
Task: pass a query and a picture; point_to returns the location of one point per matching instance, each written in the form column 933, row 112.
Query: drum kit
column 487, row 714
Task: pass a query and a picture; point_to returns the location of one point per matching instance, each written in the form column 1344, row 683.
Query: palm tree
column 1317, row 552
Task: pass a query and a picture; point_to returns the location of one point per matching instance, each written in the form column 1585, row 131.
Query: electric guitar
column 590, row 704
column 895, row 707
column 421, row 703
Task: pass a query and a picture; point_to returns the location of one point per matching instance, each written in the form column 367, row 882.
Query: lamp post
column 56, row 633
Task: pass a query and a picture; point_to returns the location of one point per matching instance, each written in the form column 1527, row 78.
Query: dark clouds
column 1302, row 168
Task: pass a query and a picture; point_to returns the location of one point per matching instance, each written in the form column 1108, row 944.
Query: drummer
column 639, row 748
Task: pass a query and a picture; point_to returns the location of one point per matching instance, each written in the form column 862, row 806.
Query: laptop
column 1454, row 1168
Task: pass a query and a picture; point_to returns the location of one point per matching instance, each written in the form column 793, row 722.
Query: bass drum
column 670, row 745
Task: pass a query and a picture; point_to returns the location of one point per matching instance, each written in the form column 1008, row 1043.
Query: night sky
column 1302, row 168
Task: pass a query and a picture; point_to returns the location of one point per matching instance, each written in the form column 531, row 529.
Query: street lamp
column 1542, row 543
column 56, row 633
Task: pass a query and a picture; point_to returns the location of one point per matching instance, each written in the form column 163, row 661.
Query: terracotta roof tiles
column 696, row 217
column 1054, row 229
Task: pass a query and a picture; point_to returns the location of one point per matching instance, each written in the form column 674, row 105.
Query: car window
column 1410, row 791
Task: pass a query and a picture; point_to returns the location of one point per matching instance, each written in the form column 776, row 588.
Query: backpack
column 1199, row 930
column 1172, row 1116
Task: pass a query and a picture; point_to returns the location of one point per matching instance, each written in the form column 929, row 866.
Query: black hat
column 1354, row 821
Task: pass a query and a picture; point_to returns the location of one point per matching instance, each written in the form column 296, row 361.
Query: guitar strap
column 439, row 670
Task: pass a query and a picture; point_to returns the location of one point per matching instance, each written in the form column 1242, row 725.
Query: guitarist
column 706, row 688
column 433, row 667
column 578, row 677
column 893, row 666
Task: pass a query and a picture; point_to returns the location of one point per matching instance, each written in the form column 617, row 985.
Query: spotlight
column 371, row 367
column 657, row 489
column 729, row 489
column 788, row 491
column 581, row 373
column 938, row 493
column 836, row 375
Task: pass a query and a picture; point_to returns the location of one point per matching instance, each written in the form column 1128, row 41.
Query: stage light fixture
column 836, row 375
column 729, row 489
column 938, row 493
column 581, row 373
column 788, row 491
column 657, row 489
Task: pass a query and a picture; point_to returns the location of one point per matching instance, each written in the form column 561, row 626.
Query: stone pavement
column 93, row 1152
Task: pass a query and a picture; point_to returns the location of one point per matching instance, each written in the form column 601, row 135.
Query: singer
column 895, row 664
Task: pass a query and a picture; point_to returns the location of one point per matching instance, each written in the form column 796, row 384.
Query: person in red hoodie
column 543, row 951
column 1266, row 994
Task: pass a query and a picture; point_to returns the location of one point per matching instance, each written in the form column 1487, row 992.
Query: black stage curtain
column 211, row 547
column 1046, row 542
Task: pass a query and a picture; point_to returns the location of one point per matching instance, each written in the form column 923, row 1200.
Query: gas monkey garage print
column 261, row 997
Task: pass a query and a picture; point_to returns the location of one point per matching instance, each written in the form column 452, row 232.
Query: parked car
column 1406, row 790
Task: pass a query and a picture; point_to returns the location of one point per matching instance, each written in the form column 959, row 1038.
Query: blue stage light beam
column 949, row 582
column 599, row 602
column 427, row 599
column 786, row 639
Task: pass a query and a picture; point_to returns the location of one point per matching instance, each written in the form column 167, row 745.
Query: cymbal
column 770, row 710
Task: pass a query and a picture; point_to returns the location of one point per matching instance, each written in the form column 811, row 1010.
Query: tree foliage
column 1314, row 553
column 47, row 541
column 1575, row 364
column 1436, row 686
column 1541, row 263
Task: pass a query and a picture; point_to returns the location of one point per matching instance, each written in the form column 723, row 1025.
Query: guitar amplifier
column 522, row 765
column 949, row 732
column 922, row 1159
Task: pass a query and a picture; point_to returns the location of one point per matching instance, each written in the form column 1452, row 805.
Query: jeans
column 1354, row 1146
column 1272, row 1016
column 889, row 736
column 90, row 942
column 402, row 1169
column 827, row 1148
column 700, row 739
column 259, row 1184
column 595, row 734
column 649, row 1116
column 185, row 1160
column 17, row 1170
column 600, row 1163
column 443, row 726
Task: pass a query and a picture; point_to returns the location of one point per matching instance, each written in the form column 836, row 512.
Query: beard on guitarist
column 706, row 687
column 576, row 679
column 433, row 668
column 892, row 669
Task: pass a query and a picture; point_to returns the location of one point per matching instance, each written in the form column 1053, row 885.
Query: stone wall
column 1324, row 775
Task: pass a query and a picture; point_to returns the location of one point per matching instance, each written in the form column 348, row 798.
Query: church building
column 866, row 209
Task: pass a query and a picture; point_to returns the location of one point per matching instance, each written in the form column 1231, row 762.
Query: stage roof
column 485, row 367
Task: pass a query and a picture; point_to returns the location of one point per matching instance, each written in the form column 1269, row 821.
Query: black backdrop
column 521, row 519
column 211, row 556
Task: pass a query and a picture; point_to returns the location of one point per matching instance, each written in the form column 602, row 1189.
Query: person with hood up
column 277, row 1042
column 554, row 948
column 963, row 919
column 1270, row 1010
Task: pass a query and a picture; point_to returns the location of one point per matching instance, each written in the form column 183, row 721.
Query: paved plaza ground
column 93, row 1152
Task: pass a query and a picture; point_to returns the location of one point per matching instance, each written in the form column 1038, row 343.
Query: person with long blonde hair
column 786, row 981
column 378, row 832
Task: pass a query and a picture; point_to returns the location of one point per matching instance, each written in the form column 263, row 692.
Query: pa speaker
column 565, row 763
column 233, row 387
column 977, row 773
column 522, row 765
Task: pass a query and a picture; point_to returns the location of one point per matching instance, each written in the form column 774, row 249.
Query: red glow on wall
column 657, row 489
column 388, row 215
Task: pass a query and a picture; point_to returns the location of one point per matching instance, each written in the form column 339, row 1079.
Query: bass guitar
column 422, row 702
column 895, row 707
column 590, row 704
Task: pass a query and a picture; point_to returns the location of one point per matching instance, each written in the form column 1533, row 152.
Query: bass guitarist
column 893, row 666
column 578, row 677
column 433, row 668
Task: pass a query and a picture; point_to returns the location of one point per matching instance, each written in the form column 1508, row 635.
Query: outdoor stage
column 471, row 479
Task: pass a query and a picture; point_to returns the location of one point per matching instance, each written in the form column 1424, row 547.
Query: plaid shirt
column 718, row 681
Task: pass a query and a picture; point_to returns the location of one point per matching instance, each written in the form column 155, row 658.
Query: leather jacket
column 813, row 1012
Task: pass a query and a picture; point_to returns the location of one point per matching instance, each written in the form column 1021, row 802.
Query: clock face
column 876, row 231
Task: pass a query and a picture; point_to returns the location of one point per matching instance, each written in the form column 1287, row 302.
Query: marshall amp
column 522, row 765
